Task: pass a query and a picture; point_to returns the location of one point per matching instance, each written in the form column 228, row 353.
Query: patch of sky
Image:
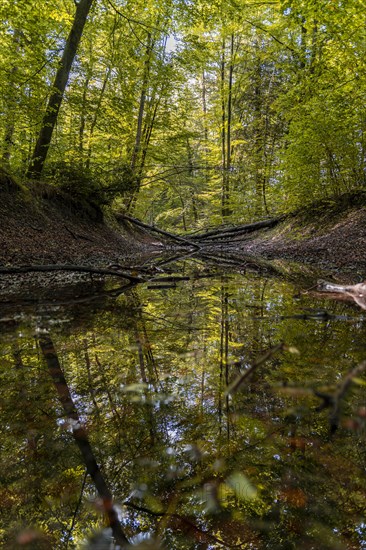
column 171, row 44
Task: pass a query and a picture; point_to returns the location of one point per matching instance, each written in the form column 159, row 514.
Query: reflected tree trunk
column 80, row 436
column 90, row 378
column 224, row 356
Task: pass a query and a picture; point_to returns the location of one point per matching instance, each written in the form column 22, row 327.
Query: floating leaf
column 359, row 381
column 135, row 387
column 242, row 486
column 292, row 349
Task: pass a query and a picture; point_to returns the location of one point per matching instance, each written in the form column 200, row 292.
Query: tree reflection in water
column 189, row 464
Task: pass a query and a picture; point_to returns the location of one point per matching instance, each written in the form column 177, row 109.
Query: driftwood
column 350, row 292
column 177, row 238
column 67, row 267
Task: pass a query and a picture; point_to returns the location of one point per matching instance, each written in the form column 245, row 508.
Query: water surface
column 278, row 463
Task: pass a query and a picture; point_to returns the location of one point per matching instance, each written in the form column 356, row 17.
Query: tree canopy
column 186, row 113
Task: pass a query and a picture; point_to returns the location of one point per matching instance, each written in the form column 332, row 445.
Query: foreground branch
column 235, row 386
column 334, row 401
column 185, row 523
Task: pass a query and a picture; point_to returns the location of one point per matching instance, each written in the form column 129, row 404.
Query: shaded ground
column 50, row 230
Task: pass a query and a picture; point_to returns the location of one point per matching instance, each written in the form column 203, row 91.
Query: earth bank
column 52, row 228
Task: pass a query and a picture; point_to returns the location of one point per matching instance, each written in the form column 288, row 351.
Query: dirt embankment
column 54, row 229
column 51, row 228
column 330, row 234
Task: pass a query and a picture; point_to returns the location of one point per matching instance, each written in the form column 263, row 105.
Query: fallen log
column 67, row 267
column 177, row 238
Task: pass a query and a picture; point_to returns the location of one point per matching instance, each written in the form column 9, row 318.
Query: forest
column 182, row 274
column 187, row 114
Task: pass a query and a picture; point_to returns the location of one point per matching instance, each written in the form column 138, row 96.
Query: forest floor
column 54, row 230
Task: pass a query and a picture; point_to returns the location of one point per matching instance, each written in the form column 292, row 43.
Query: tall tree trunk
column 62, row 76
column 259, row 137
column 314, row 47
column 10, row 109
column 147, row 111
column 223, row 133
column 83, row 119
column 205, row 126
column 95, row 117
column 191, row 176
column 229, row 105
column 226, row 116
column 148, row 129
column 8, row 139
column 303, row 44
column 204, row 108
column 145, row 82
column 227, row 210
column 136, row 166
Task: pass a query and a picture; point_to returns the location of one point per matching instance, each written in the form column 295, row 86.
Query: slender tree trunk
column 136, row 162
column 83, row 119
column 205, row 125
column 144, row 130
column 227, row 210
column 229, row 105
column 226, row 116
column 62, row 76
column 223, row 134
column 95, row 118
column 259, row 138
column 204, row 107
column 149, row 126
column 303, row 44
column 10, row 108
column 145, row 82
column 191, row 175
column 8, row 139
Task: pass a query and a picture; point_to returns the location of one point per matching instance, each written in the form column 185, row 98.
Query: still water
column 276, row 462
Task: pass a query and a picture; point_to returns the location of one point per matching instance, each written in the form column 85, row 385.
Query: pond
column 223, row 408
